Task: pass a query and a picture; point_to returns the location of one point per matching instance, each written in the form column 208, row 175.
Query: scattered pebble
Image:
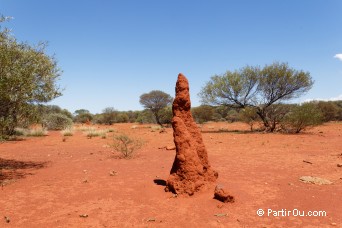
column 151, row 219
column 220, row 215
column 7, row 219
column 84, row 216
column 113, row 173
column 170, row 147
column 307, row 162
column 339, row 165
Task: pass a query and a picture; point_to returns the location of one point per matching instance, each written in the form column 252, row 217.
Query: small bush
column 57, row 121
column 249, row 116
column 126, row 145
column 301, row 117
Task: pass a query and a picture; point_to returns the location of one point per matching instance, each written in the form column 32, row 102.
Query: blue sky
column 111, row 52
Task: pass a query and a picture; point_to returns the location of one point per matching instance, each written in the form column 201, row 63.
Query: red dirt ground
column 49, row 183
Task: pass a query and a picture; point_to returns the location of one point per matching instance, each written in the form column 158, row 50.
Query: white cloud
column 338, row 98
column 338, row 56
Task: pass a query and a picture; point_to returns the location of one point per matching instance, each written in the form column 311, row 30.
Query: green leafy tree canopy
column 156, row 101
column 256, row 87
column 27, row 76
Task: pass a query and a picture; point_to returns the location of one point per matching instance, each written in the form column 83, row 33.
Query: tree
column 257, row 88
column 27, row 77
column 109, row 116
column 83, row 116
column 156, row 101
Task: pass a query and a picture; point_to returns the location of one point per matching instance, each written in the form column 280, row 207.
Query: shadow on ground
column 12, row 170
column 231, row 131
column 160, row 182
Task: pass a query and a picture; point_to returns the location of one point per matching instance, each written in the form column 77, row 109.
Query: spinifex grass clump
column 38, row 132
column 126, row 145
column 35, row 132
column 69, row 131
column 86, row 128
column 96, row 133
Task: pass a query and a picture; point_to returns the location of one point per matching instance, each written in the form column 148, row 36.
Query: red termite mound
column 191, row 170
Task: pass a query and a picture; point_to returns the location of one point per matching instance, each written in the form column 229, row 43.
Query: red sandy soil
column 48, row 182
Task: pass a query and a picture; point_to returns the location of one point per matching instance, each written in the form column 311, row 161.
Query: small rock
column 339, row 165
column 151, row 220
column 7, row 219
column 307, row 162
column 333, row 224
column 222, row 196
column 83, row 216
column 170, row 147
column 221, row 215
column 113, row 173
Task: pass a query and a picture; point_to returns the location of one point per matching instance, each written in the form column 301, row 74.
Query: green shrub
column 56, row 121
column 233, row 116
column 203, row 113
column 301, row 117
column 249, row 116
column 7, row 126
column 126, row 145
column 329, row 110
